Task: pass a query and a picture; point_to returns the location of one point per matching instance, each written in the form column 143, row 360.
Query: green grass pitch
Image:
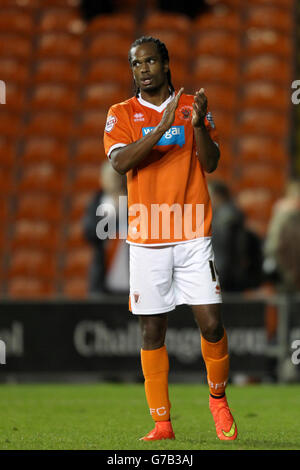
column 114, row 416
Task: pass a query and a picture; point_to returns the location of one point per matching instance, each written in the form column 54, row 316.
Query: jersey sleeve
column 117, row 132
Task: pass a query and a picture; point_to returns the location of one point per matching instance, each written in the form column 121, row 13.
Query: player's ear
column 166, row 67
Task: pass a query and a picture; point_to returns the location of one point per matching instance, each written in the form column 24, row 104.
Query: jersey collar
column 160, row 108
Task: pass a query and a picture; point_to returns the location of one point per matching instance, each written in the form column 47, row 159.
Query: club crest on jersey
column 173, row 136
column 210, row 119
column 110, row 123
column 185, row 112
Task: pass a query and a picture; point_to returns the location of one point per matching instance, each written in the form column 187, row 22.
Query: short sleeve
column 117, row 132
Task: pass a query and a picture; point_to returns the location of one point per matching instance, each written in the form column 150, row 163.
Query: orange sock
column 155, row 365
column 216, row 359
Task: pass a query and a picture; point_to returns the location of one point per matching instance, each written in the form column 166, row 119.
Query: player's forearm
column 207, row 151
column 125, row 158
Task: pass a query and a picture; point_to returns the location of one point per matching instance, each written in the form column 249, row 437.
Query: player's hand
column 169, row 113
column 199, row 108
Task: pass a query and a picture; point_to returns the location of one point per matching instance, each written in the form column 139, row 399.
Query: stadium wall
column 100, row 340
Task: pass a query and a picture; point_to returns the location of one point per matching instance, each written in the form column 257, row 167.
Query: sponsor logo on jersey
column 138, row 117
column 110, row 123
column 210, row 119
column 173, row 136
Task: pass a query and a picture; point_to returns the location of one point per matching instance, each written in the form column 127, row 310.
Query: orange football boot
column 162, row 430
column 225, row 425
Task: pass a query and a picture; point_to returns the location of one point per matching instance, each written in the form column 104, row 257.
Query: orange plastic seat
column 75, row 288
column 7, row 182
column 10, row 123
column 30, row 288
column 280, row 3
column 4, row 209
column 265, row 94
column 265, row 67
column 267, row 41
column 86, row 177
column 42, row 177
column 43, row 207
column 219, row 96
column 74, row 237
column 91, row 123
column 254, row 148
column 256, row 202
column 77, row 262
column 78, row 203
column 218, row 43
column 121, row 22
column 224, row 123
column 54, row 96
column 262, row 175
column 178, row 45
column 25, row 5
column 103, row 94
column 15, row 97
column 57, row 70
column 32, row 263
column 107, row 69
column 219, row 18
column 269, row 16
column 49, row 123
column 14, row 71
column 161, row 20
column 109, row 44
column 59, row 44
column 262, row 122
column 15, row 46
column 212, row 69
column 45, row 149
column 89, row 150
column 8, row 152
column 61, row 20
column 34, row 234
column 14, row 20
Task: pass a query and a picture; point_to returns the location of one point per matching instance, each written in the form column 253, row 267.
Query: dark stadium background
column 63, row 64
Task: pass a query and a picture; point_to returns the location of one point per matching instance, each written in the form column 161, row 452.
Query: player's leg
column 196, row 283
column 151, row 297
column 214, row 347
column 155, row 366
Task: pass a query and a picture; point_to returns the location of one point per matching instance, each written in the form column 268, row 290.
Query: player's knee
column 213, row 331
column 153, row 335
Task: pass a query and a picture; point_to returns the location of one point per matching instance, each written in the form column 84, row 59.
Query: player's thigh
column 196, row 281
column 151, row 280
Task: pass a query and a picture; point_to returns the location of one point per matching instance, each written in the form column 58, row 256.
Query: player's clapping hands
column 199, row 108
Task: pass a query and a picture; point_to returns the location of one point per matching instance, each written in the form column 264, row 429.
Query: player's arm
column 129, row 156
column 207, row 151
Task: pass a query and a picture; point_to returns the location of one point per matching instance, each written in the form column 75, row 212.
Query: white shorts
column 165, row 276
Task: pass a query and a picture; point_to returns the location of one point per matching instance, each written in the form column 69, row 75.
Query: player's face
column 149, row 73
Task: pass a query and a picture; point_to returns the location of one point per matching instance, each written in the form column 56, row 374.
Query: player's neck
column 157, row 97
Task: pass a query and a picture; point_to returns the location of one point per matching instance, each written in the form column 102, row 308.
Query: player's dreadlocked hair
column 164, row 54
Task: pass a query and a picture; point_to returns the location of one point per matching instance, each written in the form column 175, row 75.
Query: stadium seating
column 62, row 74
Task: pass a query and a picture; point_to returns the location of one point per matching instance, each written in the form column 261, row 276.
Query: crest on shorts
column 136, row 297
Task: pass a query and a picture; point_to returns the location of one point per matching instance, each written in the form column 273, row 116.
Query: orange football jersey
column 168, row 200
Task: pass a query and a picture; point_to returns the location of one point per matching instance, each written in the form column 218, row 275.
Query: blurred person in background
column 238, row 251
column 109, row 267
column 280, row 265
